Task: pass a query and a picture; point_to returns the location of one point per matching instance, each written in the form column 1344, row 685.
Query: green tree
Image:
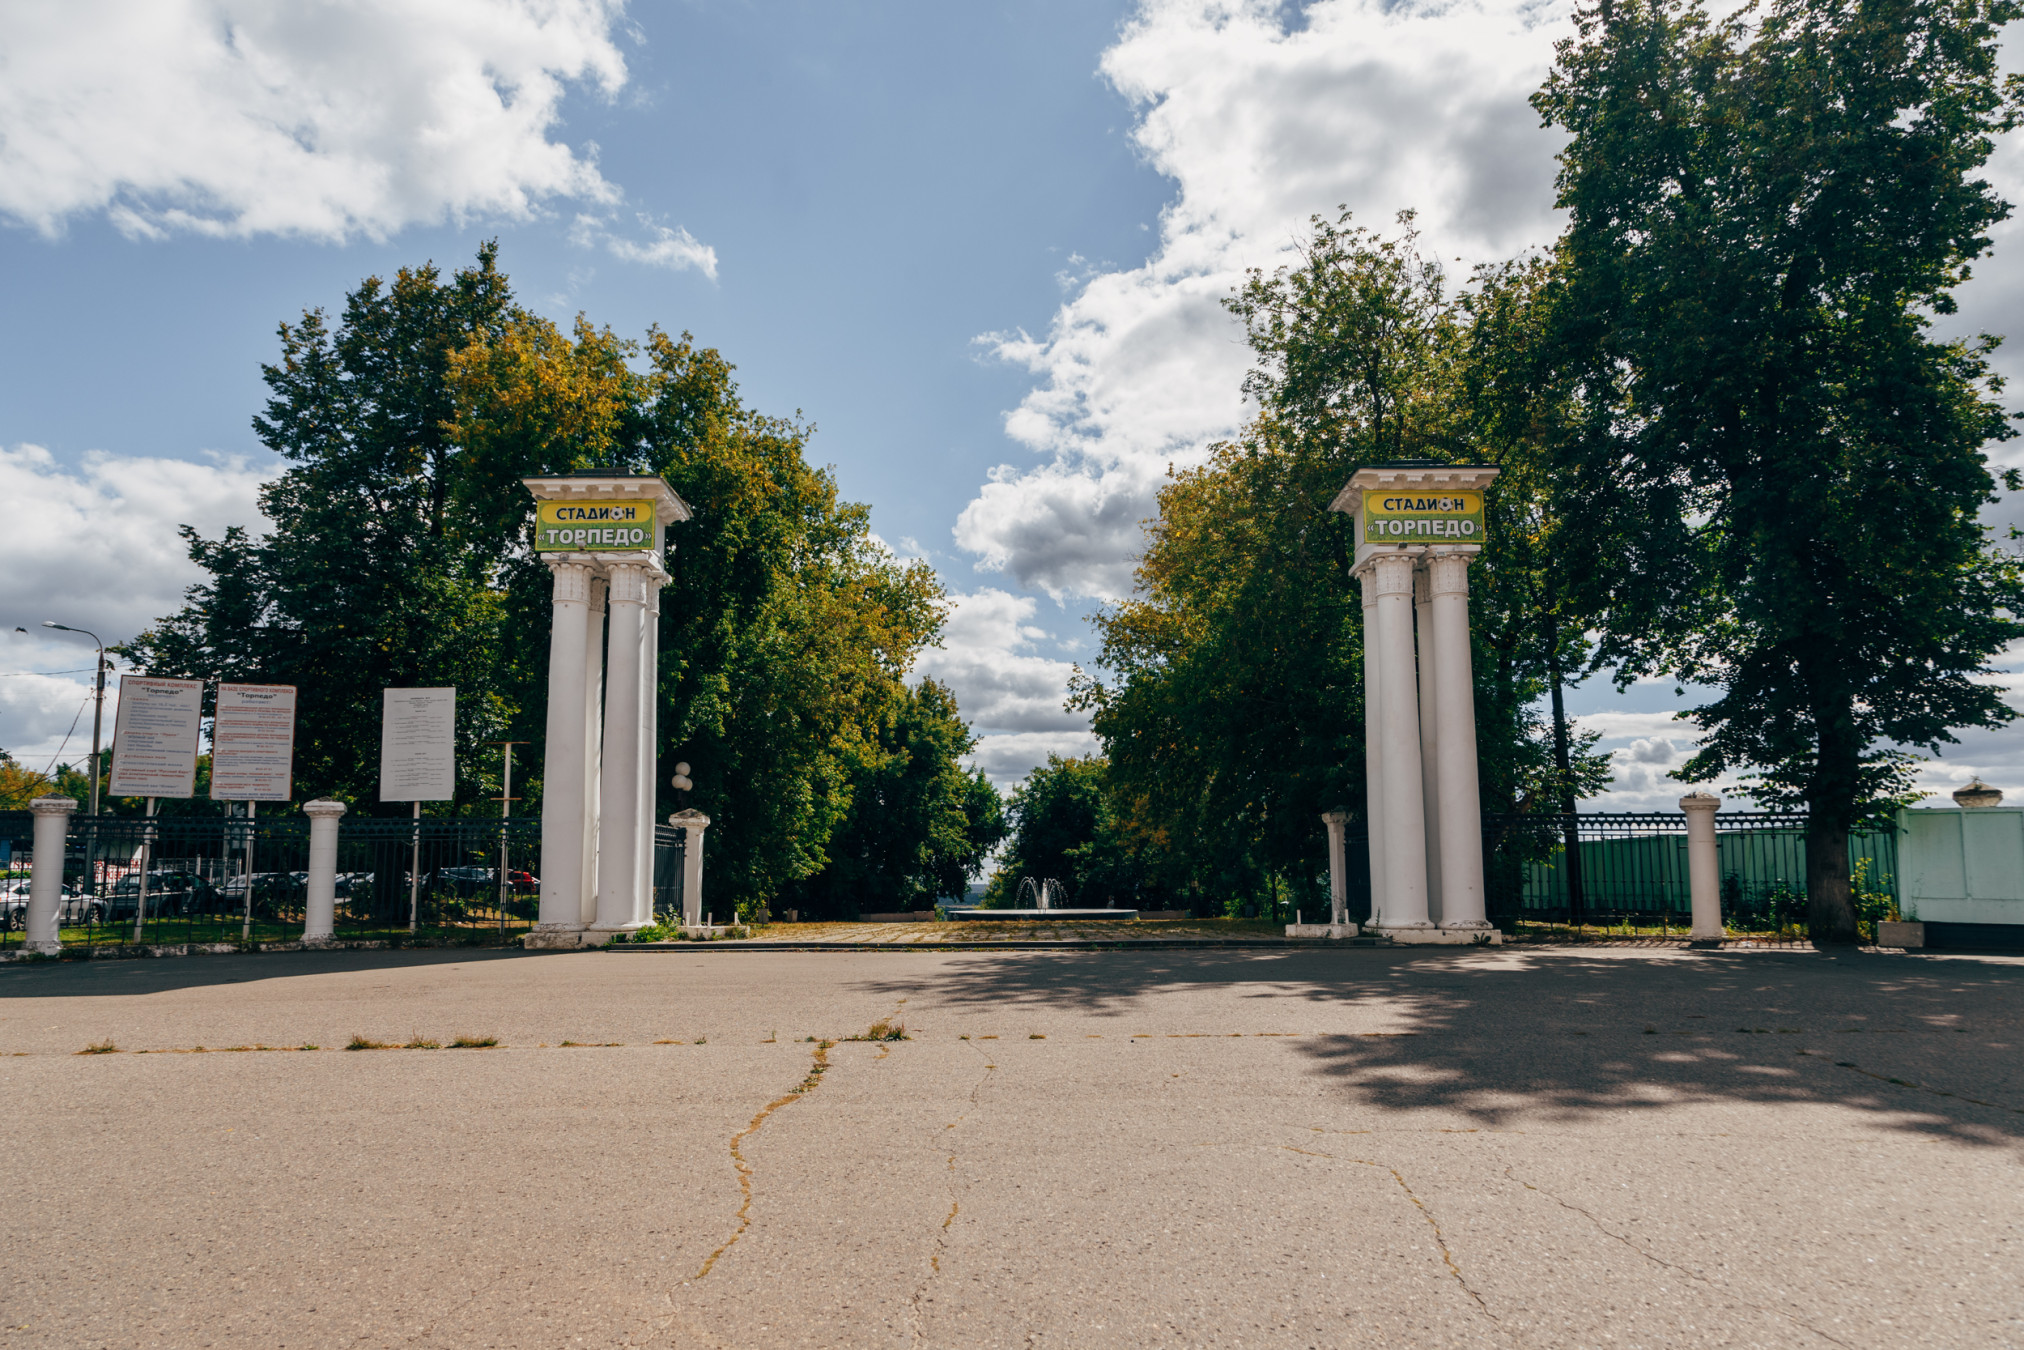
column 1773, row 481
column 1064, row 827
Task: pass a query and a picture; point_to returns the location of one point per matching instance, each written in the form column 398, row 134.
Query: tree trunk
column 1830, row 903
column 1564, row 798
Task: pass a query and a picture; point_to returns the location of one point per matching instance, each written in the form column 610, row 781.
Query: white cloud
column 96, row 547
column 240, row 117
column 1010, row 694
column 1377, row 106
column 675, row 249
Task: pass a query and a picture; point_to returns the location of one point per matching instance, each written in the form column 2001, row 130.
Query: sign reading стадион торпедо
column 1422, row 516
column 593, row 527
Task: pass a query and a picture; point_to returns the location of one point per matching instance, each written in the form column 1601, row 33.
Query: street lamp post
column 98, row 710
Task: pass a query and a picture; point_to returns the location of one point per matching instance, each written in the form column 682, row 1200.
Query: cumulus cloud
column 241, row 117
column 96, row 547
column 1010, row 693
column 1380, row 107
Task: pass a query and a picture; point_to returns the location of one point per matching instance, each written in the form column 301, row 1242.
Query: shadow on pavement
column 153, row 975
column 1924, row 1046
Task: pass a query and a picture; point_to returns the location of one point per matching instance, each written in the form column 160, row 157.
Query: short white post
column 1373, row 745
column 1405, row 845
column 1704, row 865
column 1338, row 866
column 693, row 823
column 319, row 910
column 45, row 881
column 1462, row 900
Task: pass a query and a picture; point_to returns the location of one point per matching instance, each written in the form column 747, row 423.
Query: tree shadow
column 124, row 976
column 1916, row 1044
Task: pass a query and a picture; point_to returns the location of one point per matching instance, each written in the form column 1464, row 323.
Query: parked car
column 271, row 890
column 75, row 907
column 170, row 894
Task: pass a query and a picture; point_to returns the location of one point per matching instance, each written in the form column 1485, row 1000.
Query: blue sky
column 981, row 246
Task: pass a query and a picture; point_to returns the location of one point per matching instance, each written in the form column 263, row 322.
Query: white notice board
column 418, row 745
column 253, row 743
column 154, row 737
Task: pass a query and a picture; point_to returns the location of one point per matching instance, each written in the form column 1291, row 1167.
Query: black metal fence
column 197, row 879
column 671, row 850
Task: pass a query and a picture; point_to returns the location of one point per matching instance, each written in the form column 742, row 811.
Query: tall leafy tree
column 1773, row 480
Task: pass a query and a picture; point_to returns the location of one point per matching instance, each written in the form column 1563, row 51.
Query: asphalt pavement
column 1289, row 1147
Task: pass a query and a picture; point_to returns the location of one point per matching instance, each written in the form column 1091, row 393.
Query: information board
column 593, row 527
column 1395, row 516
column 253, row 743
column 154, row 737
column 418, row 745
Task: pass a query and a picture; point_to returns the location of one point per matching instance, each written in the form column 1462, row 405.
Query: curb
column 1064, row 944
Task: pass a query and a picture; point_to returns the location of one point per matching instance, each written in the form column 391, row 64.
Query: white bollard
column 694, row 823
column 1704, row 865
column 319, row 911
column 1338, row 866
column 45, row 882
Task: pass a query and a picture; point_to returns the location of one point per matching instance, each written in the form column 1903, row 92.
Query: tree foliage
column 401, row 554
column 1771, row 469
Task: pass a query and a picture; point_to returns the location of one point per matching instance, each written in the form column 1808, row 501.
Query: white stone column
column 1373, row 744
column 618, row 859
column 1405, row 894
column 1704, row 865
column 649, row 764
column 693, row 823
column 562, row 759
column 593, row 750
column 45, row 881
column 1338, row 866
column 319, row 910
column 1430, row 726
column 1462, row 901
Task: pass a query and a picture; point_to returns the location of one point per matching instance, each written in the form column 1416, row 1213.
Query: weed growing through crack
column 100, row 1048
column 360, row 1043
column 474, row 1042
column 417, row 1042
column 1036, row 1036
column 702, row 1040
column 885, row 1029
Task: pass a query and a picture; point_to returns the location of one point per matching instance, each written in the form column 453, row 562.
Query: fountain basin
column 1031, row 914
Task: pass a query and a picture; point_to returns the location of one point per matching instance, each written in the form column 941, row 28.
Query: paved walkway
column 1287, row 1147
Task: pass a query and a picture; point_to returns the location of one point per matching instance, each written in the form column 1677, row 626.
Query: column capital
column 572, row 579
column 51, row 806
column 1448, row 573
column 1335, row 817
column 690, row 819
column 1393, row 573
column 629, row 583
column 324, row 807
column 1700, row 801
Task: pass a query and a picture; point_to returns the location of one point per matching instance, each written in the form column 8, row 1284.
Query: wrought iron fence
column 206, row 879
column 671, row 850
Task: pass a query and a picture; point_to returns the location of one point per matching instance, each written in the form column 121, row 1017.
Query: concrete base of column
column 43, row 948
column 597, row 935
column 553, row 936
column 1321, row 930
column 1442, row 937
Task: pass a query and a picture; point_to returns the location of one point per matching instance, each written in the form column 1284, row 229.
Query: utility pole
column 98, row 712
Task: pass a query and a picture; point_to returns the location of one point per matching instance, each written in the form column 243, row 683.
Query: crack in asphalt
column 955, row 1204
column 1440, row 1238
column 806, row 1086
column 1511, row 1174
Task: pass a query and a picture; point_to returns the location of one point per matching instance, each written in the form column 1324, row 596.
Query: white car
column 74, row 908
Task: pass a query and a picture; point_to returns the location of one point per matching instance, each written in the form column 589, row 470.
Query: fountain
column 1042, row 898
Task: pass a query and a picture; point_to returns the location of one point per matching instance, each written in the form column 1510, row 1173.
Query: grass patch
column 474, row 1042
column 421, row 1043
column 1036, row 1036
column 362, row 1043
column 885, row 1029
column 100, row 1048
